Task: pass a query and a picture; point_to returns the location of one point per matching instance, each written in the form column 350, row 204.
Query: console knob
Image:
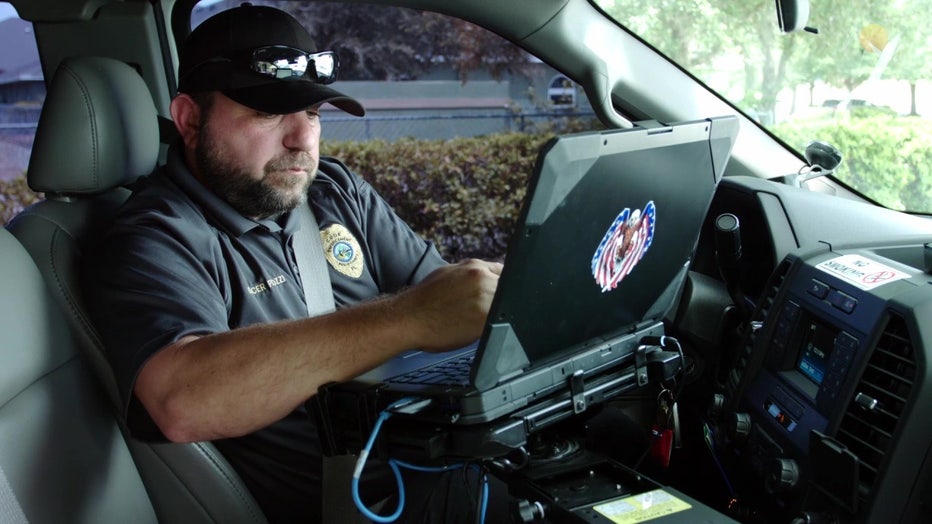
column 782, row 475
column 740, row 427
column 527, row 511
column 717, row 406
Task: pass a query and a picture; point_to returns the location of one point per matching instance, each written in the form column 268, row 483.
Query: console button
column 794, row 408
column 818, row 289
column 846, row 341
column 841, row 301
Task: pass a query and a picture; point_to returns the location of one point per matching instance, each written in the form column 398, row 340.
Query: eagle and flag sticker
column 623, row 246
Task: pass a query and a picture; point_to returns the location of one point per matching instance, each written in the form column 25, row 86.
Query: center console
column 829, row 417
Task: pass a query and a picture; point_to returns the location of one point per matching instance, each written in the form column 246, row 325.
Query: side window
column 22, row 91
column 454, row 118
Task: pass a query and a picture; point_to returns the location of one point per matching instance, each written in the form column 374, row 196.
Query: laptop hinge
column 578, row 391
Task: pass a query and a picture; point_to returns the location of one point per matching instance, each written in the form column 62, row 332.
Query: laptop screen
column 606, row 234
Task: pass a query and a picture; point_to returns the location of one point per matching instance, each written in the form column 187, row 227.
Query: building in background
column 22, row 91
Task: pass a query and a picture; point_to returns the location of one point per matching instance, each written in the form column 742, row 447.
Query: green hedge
column 463, row 194
column 893, row 168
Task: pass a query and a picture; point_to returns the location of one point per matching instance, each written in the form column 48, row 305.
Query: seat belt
column 336, row 471
column 315, row 277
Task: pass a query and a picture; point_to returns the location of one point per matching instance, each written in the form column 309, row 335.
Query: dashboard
column 824, row 412
column 828, row 413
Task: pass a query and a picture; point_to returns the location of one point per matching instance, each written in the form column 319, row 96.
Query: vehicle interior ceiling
column 634, row 86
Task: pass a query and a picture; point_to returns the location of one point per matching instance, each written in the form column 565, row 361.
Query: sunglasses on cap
column 286, row 62
column 278, row 61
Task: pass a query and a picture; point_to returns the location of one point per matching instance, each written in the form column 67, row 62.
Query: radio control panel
column 821, row 366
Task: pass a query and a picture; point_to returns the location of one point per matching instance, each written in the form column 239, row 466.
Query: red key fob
column 661, row 445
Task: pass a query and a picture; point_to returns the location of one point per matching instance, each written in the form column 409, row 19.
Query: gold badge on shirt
column 342, row 250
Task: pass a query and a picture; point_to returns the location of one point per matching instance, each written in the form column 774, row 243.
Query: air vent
column 760, row 318
column 873, row 414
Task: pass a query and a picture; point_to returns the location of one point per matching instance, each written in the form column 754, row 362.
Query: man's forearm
column 233, row 383
column 229, row 384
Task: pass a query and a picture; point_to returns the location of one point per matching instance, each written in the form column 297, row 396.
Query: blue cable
column 710, row 443
column 484, row 498
column 357, row 472
column 395, row 465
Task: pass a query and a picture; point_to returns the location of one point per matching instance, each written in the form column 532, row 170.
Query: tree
column 472, row 48
column 753, row 29
column 835, row 55
column 373, row 42
column 391, row 43
column 908, row 25
column 687, row 32
column 698, row 35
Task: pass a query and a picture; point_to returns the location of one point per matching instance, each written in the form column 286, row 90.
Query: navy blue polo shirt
column 179, row 261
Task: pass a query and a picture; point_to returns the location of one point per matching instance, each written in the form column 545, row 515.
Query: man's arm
column 229, row 384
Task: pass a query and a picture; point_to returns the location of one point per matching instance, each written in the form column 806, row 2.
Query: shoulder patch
column 342, row 250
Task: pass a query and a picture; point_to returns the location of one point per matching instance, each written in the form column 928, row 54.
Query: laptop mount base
column 346, row 417
column 538, row 452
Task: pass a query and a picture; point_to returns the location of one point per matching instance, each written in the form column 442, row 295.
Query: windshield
column 858, row 79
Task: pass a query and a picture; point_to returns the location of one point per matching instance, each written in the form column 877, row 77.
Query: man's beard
column 254, row 198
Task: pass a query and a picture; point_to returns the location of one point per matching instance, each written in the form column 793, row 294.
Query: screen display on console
column 818, row 343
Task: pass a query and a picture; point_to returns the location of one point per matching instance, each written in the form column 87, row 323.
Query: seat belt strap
column 338, row 505
column 315, row 277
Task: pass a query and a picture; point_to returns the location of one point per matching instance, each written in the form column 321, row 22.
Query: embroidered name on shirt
column 342, row 250
column 262, row 287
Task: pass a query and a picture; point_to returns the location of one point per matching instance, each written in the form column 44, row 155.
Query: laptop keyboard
column 453, row 372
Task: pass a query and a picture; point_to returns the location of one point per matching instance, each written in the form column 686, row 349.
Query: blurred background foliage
column 15, row 195
column 895, row 165
column 463, row 194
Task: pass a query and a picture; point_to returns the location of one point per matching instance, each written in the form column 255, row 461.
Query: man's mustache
column 291, row 161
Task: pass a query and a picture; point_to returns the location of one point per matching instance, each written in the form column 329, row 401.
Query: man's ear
column 186, row 114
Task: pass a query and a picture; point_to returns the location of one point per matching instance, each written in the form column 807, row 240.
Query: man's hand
column 449, row 308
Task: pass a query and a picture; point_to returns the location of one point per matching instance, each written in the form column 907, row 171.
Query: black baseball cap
column 215, row 57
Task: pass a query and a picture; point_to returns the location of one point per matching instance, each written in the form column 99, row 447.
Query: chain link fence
column 453, row 125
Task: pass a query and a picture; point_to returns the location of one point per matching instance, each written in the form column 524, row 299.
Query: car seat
column 98, row 132
column 62, row 454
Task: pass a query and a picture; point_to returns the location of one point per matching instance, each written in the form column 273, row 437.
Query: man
column 212, row 342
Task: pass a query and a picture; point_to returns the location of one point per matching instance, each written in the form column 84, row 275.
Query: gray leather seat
column 99, row 131
column 62, row 454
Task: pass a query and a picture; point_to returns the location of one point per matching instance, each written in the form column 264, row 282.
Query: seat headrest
column 98, row 129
